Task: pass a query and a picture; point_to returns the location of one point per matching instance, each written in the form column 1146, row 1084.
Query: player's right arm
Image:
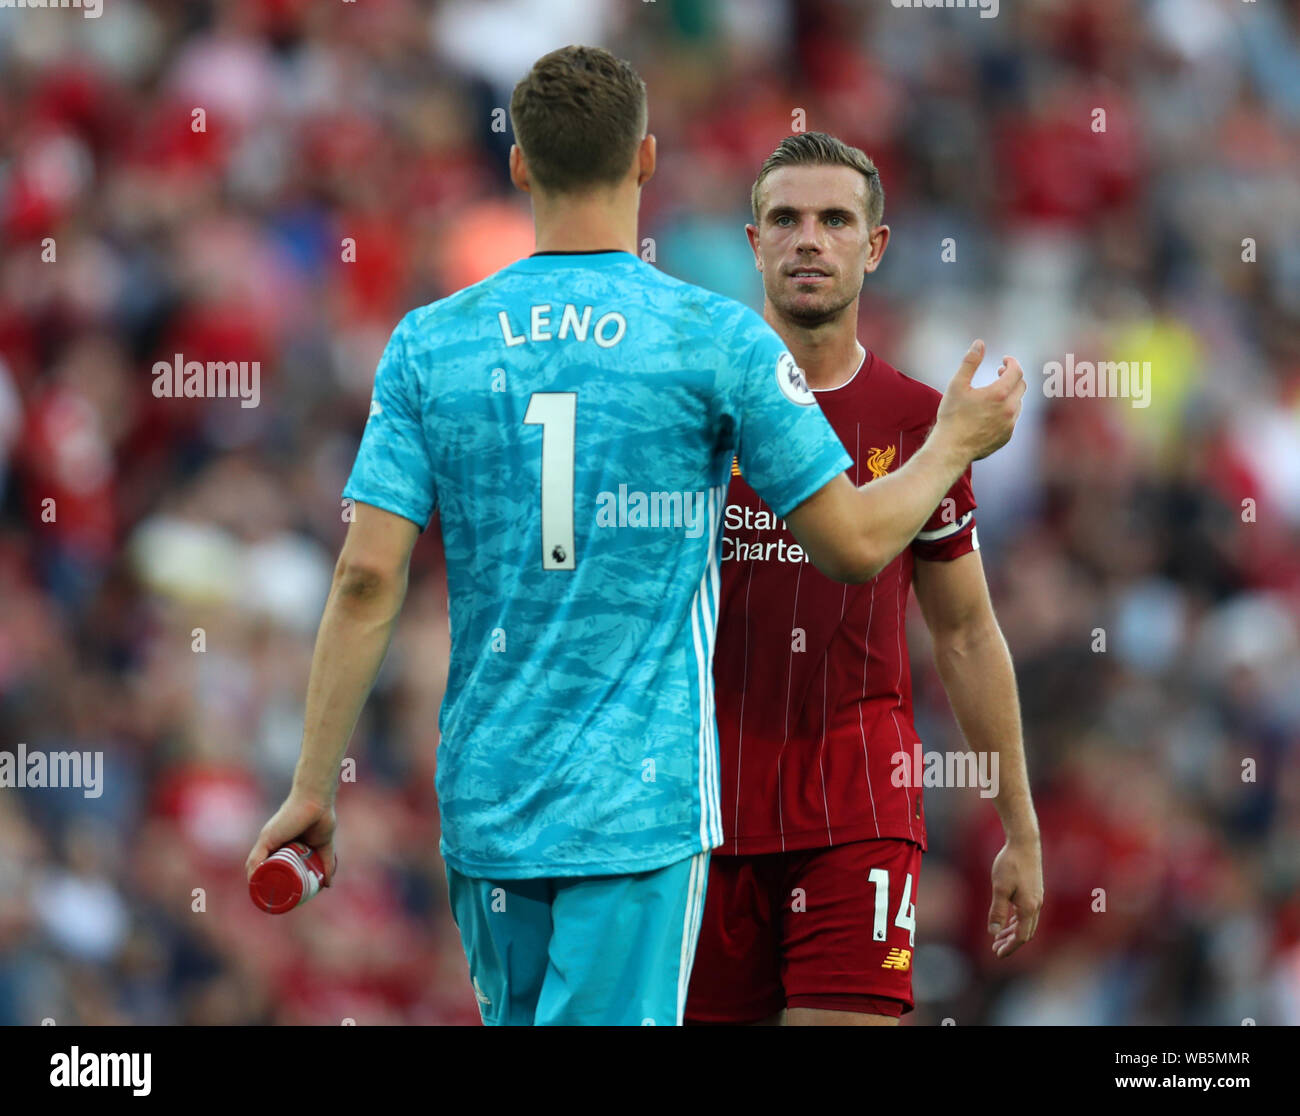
column 392, row 487
column 851, row 534
column 355, row 630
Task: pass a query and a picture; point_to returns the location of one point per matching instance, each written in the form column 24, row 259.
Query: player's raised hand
column 1017, row 895
column 982, row 419
column 298, row 819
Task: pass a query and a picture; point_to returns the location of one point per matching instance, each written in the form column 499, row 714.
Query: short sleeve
column 950, row 531
column 393, row 469
column 786, row 448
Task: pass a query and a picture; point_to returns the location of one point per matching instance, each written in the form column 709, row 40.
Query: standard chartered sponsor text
column 740, row 517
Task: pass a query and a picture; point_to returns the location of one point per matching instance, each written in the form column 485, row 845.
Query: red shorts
column 829, row 928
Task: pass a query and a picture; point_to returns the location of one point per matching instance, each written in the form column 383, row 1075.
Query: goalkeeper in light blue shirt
column 573, row 418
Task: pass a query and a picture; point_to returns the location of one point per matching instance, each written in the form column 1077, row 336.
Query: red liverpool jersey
column 813, row 690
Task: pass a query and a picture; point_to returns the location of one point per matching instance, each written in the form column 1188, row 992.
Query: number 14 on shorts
column 906, row 917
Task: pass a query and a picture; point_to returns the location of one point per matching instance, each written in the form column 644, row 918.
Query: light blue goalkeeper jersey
column 573, row 418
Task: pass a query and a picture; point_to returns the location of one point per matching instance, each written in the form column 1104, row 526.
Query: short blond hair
column 817, row 149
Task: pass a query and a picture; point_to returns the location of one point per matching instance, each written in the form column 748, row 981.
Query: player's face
column 812, row 243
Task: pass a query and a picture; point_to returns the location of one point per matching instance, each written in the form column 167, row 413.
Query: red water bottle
column 287, row 878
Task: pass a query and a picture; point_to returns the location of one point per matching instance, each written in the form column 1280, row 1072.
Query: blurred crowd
column 1092, row 179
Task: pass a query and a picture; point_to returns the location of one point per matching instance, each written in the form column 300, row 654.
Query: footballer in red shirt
column 811, row 902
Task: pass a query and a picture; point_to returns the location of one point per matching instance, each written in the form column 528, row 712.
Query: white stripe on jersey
column 702, row 622
column 701, row 666
column 695, row 889
column 714, row 573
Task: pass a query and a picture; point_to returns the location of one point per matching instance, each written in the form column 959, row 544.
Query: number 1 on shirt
column 556, row 413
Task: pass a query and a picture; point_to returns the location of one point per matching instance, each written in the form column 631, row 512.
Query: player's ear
column 751, row 231
column 645, row 160
column 519, row 169
column 879, row 238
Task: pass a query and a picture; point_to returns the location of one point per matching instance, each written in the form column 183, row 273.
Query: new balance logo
column 900, row 959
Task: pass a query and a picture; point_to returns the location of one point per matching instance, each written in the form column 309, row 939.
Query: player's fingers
column 1019, row 930
column 320, row 836
column 276, row 832
column 969, row 364
column 999, row 911
column 261, row 850
column 1011, row 378
column 1033, row 920
column 1024, row 929
column 1007, row 948
column 1006, row 941
column 331, row 861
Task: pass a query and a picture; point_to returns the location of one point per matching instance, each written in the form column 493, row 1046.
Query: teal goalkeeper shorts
column 587, row 950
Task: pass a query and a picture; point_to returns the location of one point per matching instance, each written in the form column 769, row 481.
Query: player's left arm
column 975, row 666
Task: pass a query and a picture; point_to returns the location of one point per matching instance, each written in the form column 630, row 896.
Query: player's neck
column 585, row 224
column 828, row 354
